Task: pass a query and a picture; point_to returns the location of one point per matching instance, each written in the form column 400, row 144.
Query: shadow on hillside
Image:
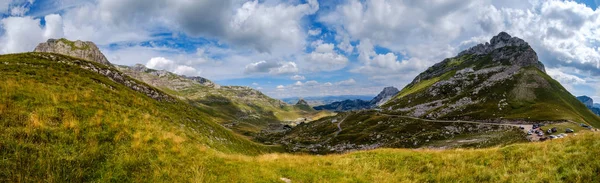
column 246, row 119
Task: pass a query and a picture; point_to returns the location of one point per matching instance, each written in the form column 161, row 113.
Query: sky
column 300, row 48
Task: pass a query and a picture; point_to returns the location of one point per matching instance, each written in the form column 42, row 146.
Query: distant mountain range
column 358, row 104
column 589, row 103
column 322, row 100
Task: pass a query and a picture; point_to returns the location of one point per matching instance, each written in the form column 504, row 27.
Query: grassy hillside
column 371, row 129
column 61, row 123
column 243, row 109
column 478, row 88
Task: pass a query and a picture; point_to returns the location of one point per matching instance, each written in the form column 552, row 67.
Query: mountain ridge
column 357, row 104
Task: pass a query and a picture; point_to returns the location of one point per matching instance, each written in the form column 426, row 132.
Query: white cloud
column 348, row 82
column 327, row 84
column 324, row 58
column 162, row 63
column 314, row 32
column 564, row 77
column 54, row 26
column 311, row 83
column 271, row 67
column 21, row 34
column 297, row 77
column 254, row 84
column 298, row 83
column 280, row 88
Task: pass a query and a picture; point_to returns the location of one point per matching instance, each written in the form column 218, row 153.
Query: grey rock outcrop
column 302, row 102
column 81, row 49
column 113, row 74
column 384, row 96
column 505, row 47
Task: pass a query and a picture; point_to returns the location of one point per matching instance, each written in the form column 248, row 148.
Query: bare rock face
column 81, row 49
column 503, row 46
column 384, row 96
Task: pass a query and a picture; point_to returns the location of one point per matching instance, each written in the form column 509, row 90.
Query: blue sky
column 289, row 48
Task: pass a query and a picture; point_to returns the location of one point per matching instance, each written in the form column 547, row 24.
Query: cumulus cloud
column 23, row 34
column 311, row 83
column 297, row 77
column 275, row 68
column 564, row 77
column 325, row 58
column 162, row 63
column 348, row 82
column 314, row 32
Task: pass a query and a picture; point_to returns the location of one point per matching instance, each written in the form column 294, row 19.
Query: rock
column 384, row 96
column 302, row 102
column 587, row 101
column 80, row 49
column 501, row 47
column 113, row 74
column 203, row 81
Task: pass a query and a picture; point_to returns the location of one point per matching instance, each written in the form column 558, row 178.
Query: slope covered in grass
column 59, row 122
column 243, row 109
column 62, row 123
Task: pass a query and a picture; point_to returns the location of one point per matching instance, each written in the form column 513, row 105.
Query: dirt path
column 526, row 127
column 339, row 126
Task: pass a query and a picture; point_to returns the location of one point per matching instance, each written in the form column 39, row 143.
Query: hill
column 65, row 119
column 243, row 109
column 478, row 99
column 502, row 80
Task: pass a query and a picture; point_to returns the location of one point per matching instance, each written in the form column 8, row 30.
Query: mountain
column 322, row 100
column 245, row 110
column 502, row 80
column 79, row 49
column 384, row 96
column 358, row 104
column 66, row 119
column 346, row 105
column 477, row 99
column 589, row 103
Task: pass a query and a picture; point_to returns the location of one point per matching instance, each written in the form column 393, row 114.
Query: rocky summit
column 501, row 80
column 384, row 96
column 80, row 49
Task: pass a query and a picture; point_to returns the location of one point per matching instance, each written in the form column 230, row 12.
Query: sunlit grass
column 59, row 124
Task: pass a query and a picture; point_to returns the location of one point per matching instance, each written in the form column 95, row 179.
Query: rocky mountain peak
column 384, row 96
column 505, row 47
column 302, row 102
column 587, row 101
column 81, row 49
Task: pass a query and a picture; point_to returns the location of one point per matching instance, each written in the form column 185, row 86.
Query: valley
column 70, row 119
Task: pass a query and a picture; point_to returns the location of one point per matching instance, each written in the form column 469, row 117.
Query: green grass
column 61, row 123
column 422, row 85
column 72, row 44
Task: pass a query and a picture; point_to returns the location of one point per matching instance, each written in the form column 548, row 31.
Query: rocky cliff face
column 384, row 96
column 81, row 49
column 587, row 101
